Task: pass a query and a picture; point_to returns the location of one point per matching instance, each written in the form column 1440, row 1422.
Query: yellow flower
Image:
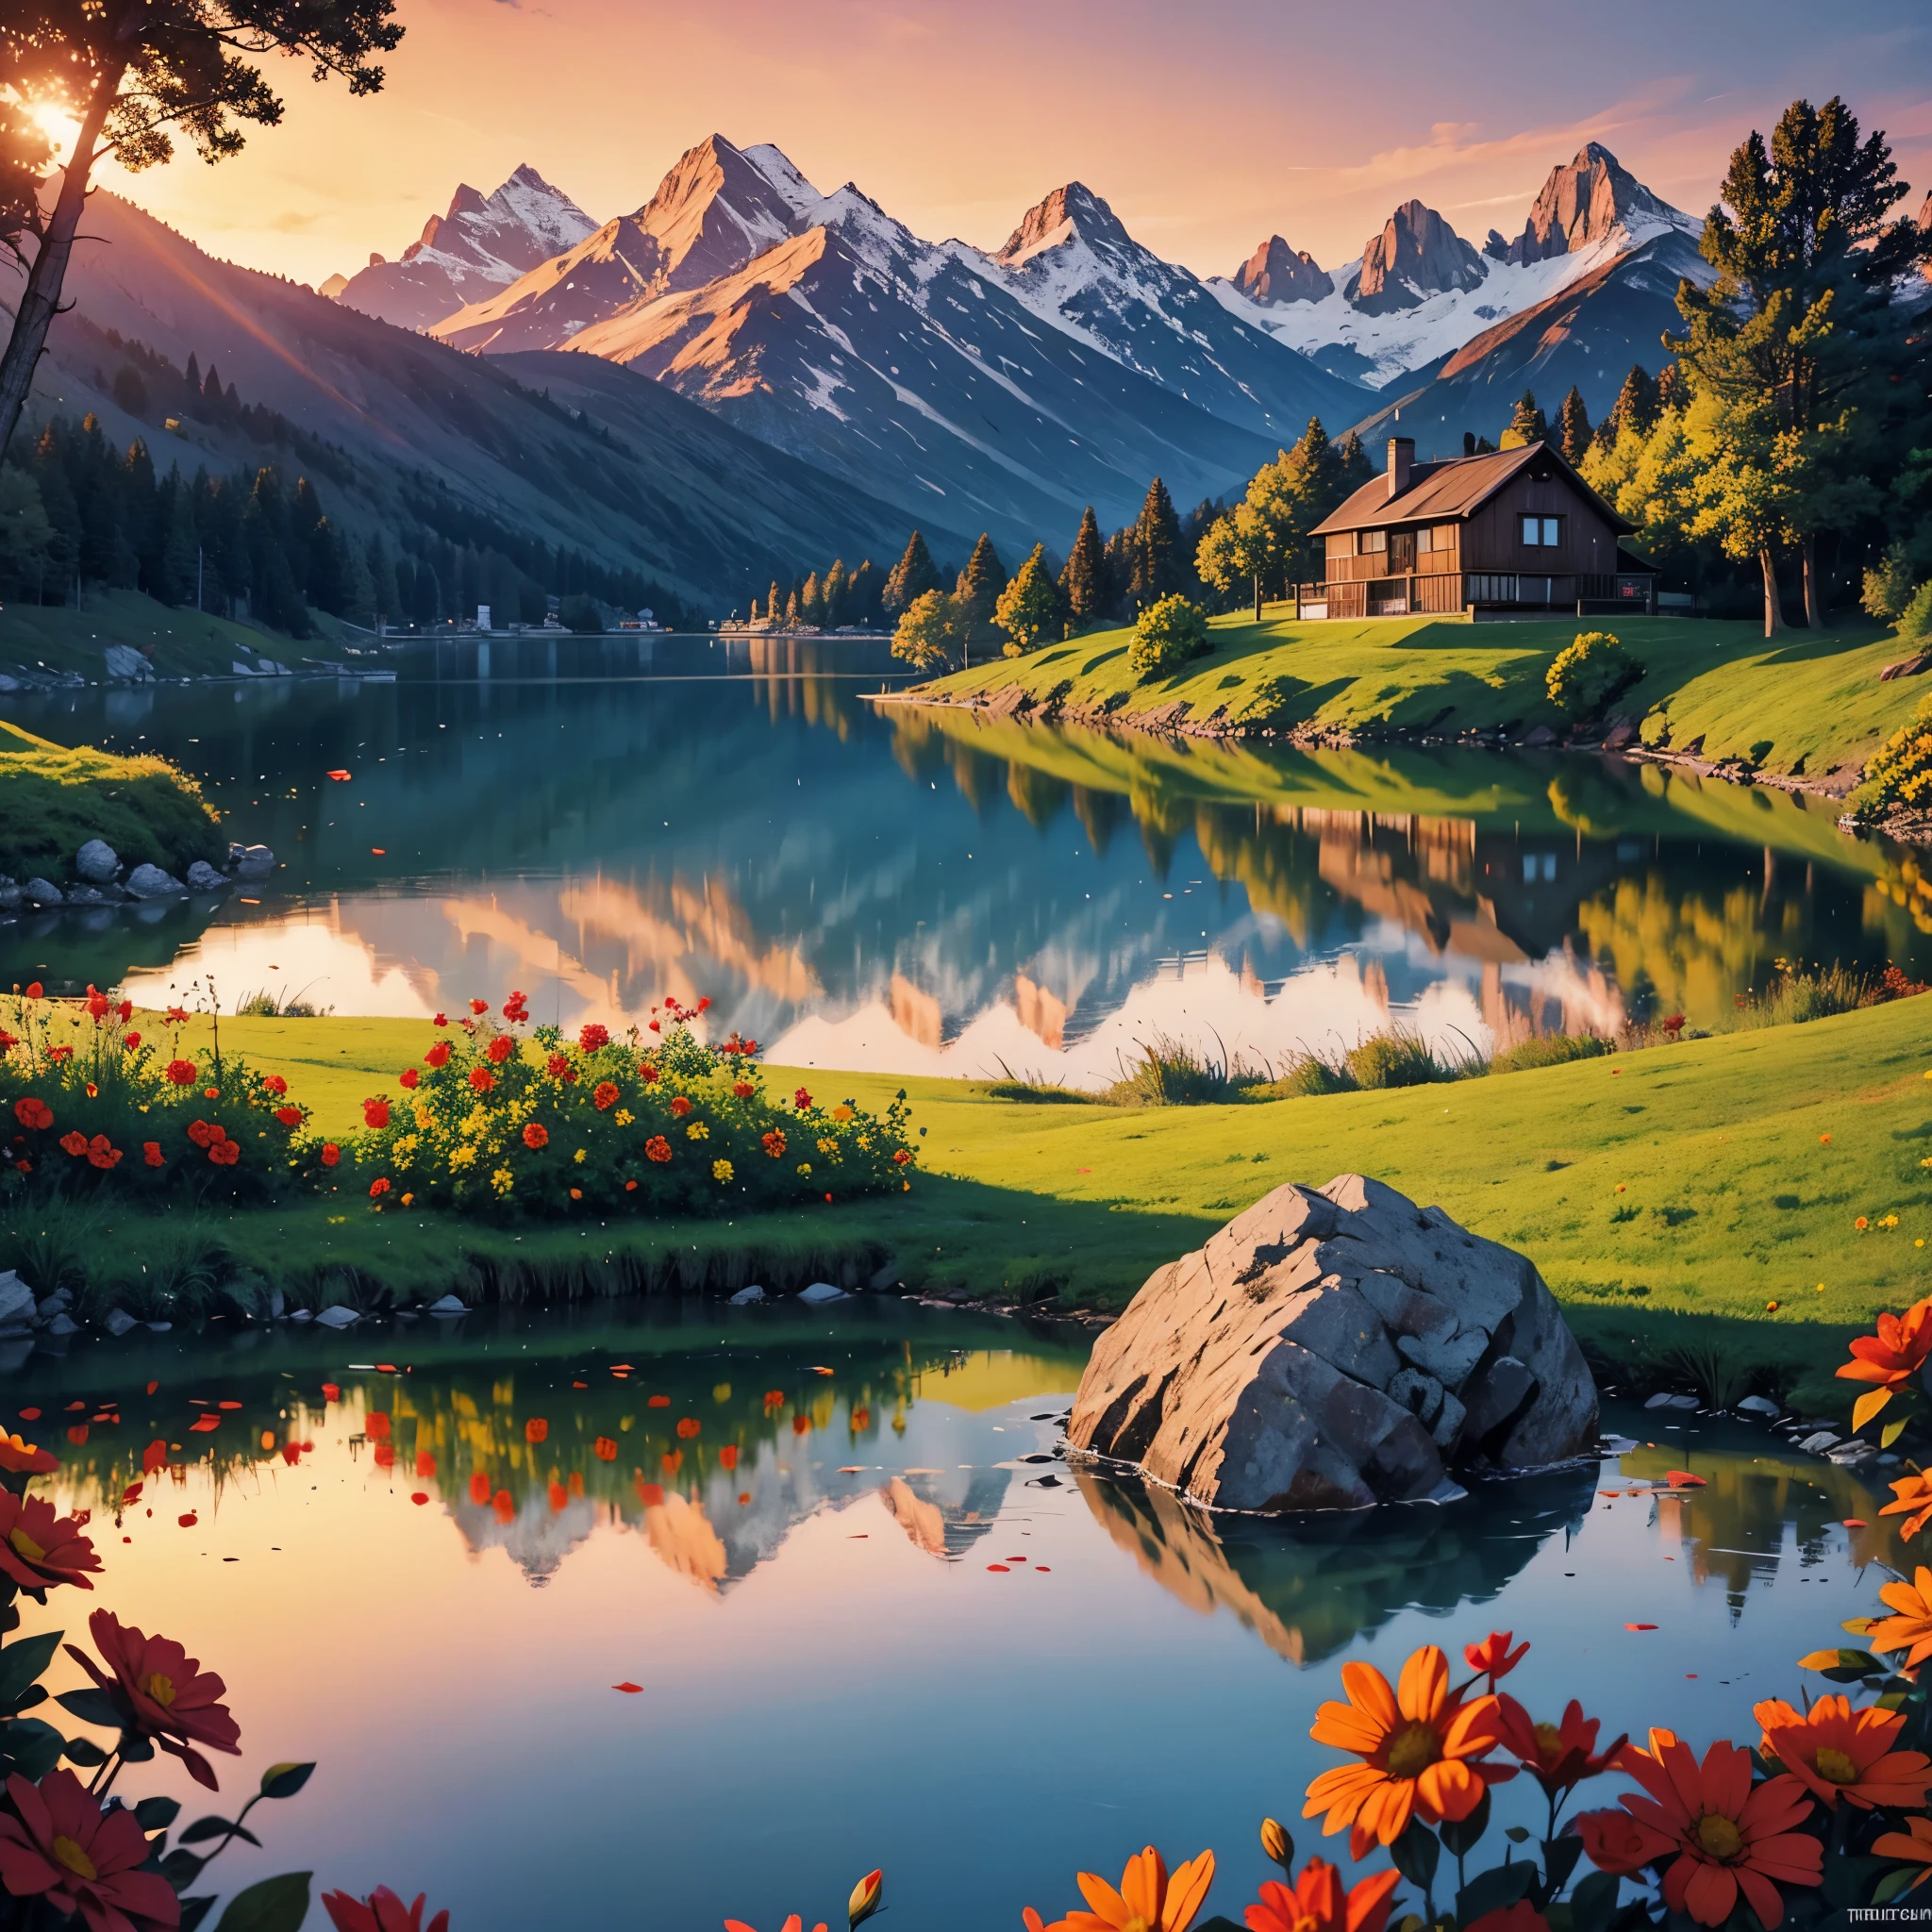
column 422, row 1117
column 804, row 1168
column 503, row 1180
column 409, row 1200
column 623, row 1117
column 842, row 1112
column 720, row 1170
column 582, row 1155
column 828, row 1146
column 475, row 1122
column 697, row 1131
column 462, row 1156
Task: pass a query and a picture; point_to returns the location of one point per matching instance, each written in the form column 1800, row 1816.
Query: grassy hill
column 179, row 643
column 1802, row 705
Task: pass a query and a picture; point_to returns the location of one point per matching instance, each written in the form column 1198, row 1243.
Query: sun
column 56, row 122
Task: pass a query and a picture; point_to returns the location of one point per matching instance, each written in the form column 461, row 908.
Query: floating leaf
column 1892, row 1431
column 1640, row 1626
column 1868, row 1405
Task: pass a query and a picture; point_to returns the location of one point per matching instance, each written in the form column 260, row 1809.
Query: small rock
column 1757, row 1405
column 86, row 896
column 55, row 1303
column 119, row 1321
column 63, row 1323
column 450, row 1305
column 753, row 1293
column 44, row 893
column 202, row 878
column 1848, row 1453
column 821, row 1292
column 96, row 863
column 16, row 1298
column 337, row 1317
column 255, row 858
column 151, row 882
column 160, row 1327
column 302, row 1315
column 126, row 665
column 277, row 1306
column 1818, row 1444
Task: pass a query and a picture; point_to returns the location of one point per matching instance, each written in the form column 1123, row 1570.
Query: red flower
column 902, row 1157
column 39, row 1547
column 201, row 1133
column 728, row 1456
column 33, row 992
column 536, row 1136
column 130, row 1040
column 479, row 1487
column 177, row 1016
column 73, row 1142
column 773, row 1144
column 289, row 1116
column 378, row 1187
column 151, row 1152
column 440, row 1020
column 409, row 1077
column 482, row 1079
column 605, row 1096
column 21, row 1457
column 437, row 1054
column 59, row 1052
column 381, row 1911
column 516, row 1009
column 275, row 1085
column 743, row 1089
column 479, row 1006
column 593, row 1036
column 162, row 1692
column 330, row 1154
column 1493, row 1657
column 375, row 1112
column 1558, row 1756
column 61, row 1845
column 500, row 1048
column 801, row 1100
column 96, row 1004
column 181, row 1073
column 657, row 1148
column 102, row 1153
column 647, row 1072
column 605, row 1449
column 425, row 1464
column 536, row 1429
column 680, row 1105
column 224, row 1154
column 33, row 1113
column 125, row 1012
column 1318, row 1903
column 688, row 1426
column 557, row 1066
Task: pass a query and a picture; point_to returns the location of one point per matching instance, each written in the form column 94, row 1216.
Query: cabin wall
column 1492, row 536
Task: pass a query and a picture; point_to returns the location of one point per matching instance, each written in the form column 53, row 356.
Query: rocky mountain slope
column 1278, row 275
column 624, row 467
column 464, row 255
column 1417, row 254
column 970, row 390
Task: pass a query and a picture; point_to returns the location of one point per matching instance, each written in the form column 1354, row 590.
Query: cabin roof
column 1454, row 488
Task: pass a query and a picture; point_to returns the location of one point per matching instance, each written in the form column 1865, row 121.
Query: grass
column 1667, row 1195
column 179, row 643
column 53, row 800
column 1802, row 704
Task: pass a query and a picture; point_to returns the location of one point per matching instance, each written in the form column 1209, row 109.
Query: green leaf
column 30, row 1747
column 205, row 1828
column 22, row 1662
column 285, row 1780
column 1595, row 1902
column 156, row 1814
column 1560, row 1859
column 1893, row 1883
column 1892, row 1431
column 1460, row 1837
column 194, row 1910
column 92, row 1707
column 85, row 1753
column 277, row 1904
column 1516, row 1835
column 1416, row 1854
column 1495, row 1890
column 135, row 1749
column 181, row 1869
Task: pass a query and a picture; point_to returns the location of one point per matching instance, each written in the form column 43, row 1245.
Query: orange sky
column 1208, row 125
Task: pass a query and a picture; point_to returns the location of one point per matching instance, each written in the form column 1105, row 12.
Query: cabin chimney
column 1401, row 460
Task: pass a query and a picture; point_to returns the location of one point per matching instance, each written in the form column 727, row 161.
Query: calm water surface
column 874, row 1618
column 604, row 822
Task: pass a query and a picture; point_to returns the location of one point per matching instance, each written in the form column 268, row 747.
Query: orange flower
column 1418, row 1743
column 1148, row 1900
column 604, row 1096
column 1493, row 1657
column 680, row 1106
column 1896, row 1353
column 688, row 1426
column 657, row 1148
column 1720, row 1835
column 425, row 1464
column 479, row 1489
column 1913, row 1845
column 482, row 1079
column 1912, row 1499
column 558, row 1496
column 1838, row 1752
column 536, row 1429
column 605, row 1449
column 375, row 1425
column 500, row 1048
column 1910, row 1628
column 33, row 1113
column 1558, row 1756
column 673, row 1460
column 728, row 1456
column 536, row 1136
column 1318, row 1903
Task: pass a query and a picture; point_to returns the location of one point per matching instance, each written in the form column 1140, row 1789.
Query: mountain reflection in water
column 918, row 889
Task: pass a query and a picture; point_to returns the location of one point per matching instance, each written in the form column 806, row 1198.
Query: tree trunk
column 1814, row 603
column 1258, row 596
column 41, row 302
column 1774, row 613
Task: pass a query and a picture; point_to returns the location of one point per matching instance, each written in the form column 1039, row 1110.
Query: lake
column 604, row 821
column 870, row 1616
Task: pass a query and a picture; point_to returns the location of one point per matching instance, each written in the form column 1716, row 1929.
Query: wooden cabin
column 1514, row 533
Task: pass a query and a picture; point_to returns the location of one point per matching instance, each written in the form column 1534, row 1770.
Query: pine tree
column 981, row 582
column 862, row 596
column 1351, row 465
column 834, row 594
column 178, row 574
column 1527, row 424
column 1157, row 561
column 1572, row 426
column 1636, row 408
column 811, row 603
column 193, row 374
column 1083, row 582
column 1119, row 554
column 1029, row 608
column 911, row 576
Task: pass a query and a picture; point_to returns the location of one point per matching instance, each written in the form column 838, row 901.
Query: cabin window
column 1543, row 533
column 1422, row 545
column 1374, row 540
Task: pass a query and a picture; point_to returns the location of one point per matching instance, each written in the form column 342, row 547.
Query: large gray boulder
column 96, row 863
column 202, row 878
column 1336, row 1349
column 151, row 882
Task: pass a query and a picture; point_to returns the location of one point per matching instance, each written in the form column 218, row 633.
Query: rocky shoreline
column 97, row 881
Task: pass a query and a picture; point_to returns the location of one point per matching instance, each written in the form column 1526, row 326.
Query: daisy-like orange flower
column 1148, row 1899
column 1419, row 1745
column 1912, row 1499
column 1837, row 1752
column 1317, row 1903
column 1909, row 1626
column 1914, row 1846
column 1720, row 1835
column 1896, row 1353
column 1493, row 1657
column 1559, row 1757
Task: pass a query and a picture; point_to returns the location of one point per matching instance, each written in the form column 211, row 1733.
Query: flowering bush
column 506, row 1121
column 87, row 1102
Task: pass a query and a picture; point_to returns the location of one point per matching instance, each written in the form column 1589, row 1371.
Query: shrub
column 1553, row 1050
column 499, row 1123
column 1915, row 621
column 1794, row 997
column 1170, row 1072
column 1398, row 1058
column 1898, row 775
column 1168, row 634
column 1311, row 1075
column 1587, row 674
column 1887, row 587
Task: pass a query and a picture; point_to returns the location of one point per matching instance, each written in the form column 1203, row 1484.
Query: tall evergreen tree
column 912, row 576
column 832, row 594
column 1636, row 408
column 1572, row 426
column 1083, row 582
column 811, row 602
column 1526, row 424
column 1351, row 465
column 980, row 583
column 1156, row 559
